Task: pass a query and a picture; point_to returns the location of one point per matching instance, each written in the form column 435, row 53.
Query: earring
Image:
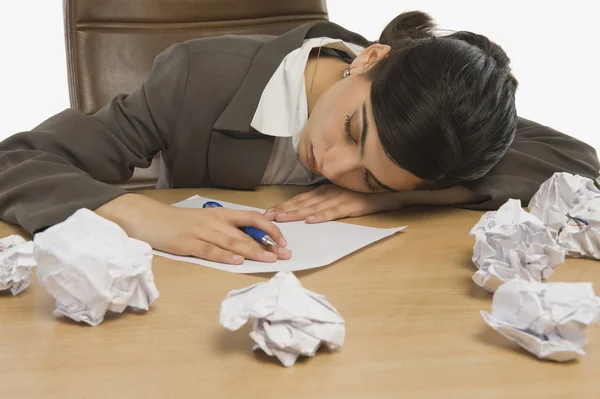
column 346, row 73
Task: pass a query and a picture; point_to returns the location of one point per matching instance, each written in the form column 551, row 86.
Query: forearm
column 130, row 211
column 456, row 195
column 65, row 163
column 38, row 189
column 59, row 167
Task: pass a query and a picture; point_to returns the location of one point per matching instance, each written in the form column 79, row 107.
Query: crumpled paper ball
column 549, row 320
column 90, row 266
column 511, row 243
column 580, row 235
column 558, row 195
column 16, row 262
column 289, row 320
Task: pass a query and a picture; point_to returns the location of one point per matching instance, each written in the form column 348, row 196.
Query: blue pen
column 260, row 236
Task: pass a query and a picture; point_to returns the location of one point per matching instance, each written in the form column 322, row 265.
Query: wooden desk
column 413, row 330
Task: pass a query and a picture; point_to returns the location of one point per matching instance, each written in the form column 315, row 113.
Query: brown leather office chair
column 111, row 43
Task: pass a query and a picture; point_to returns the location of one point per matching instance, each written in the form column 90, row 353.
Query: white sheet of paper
column 312, row 245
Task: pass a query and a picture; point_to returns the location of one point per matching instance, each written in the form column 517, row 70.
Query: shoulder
column 218, row 59
column 232, row 45
column 529, row 131
column 229, row 54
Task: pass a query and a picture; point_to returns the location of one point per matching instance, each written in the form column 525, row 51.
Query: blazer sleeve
column 69, row 161
column 535, row 155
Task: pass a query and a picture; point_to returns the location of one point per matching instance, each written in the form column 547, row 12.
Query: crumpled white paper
column 288, row 320
column 90, row 266
column 558, row 195
column 580, row 235
column 511, row 243
column 549, row 320
column 16, row 262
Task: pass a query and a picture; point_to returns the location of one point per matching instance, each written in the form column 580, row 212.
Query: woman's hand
column 330, row 202
column 210, row 234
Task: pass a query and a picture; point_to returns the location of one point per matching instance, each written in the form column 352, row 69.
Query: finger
column 311, row 210
column 302, row 210
column 204, row 250
column 298, row 198
column 256, row 219
column 270, row 215
column 234, row 240
column 315, row 199
column 281, row 252
column 283, row 214
column 332, row 213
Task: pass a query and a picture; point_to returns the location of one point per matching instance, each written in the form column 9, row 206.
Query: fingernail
column 282, row 215
column 311, row 219
column 282, row 242
column 284, row 251
column 237, row 259
column 270, row 255
column 269, row 212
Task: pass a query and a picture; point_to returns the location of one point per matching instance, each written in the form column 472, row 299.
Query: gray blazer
column 195, row 108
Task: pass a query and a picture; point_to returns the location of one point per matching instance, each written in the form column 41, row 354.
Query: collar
column 237, row 117
column 283, row 110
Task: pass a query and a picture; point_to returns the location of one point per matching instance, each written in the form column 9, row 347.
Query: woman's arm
column 66, row 162
column 456, row 195
column 330, row 202
column 537, row 153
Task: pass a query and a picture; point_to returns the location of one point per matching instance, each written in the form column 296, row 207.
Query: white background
column 553, row 45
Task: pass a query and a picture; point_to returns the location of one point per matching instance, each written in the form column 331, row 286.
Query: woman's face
column 341, row 143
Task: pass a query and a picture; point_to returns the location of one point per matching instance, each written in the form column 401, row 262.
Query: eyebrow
column 363, row 139
column 365, row 128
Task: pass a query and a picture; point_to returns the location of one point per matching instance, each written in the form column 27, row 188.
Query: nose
column 338, row 161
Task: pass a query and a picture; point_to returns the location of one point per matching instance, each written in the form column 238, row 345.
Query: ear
column 371, row 56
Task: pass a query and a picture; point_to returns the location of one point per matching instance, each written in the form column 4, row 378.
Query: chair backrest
column 111, row 44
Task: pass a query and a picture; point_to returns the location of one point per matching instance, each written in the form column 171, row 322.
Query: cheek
column 332, row 108
column 331, row 126
column 324, row 124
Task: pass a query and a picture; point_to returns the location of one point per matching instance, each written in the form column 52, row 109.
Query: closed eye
column 347, row 123
column 367, row 183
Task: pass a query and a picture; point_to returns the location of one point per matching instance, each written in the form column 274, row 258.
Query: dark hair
column 444, row 106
